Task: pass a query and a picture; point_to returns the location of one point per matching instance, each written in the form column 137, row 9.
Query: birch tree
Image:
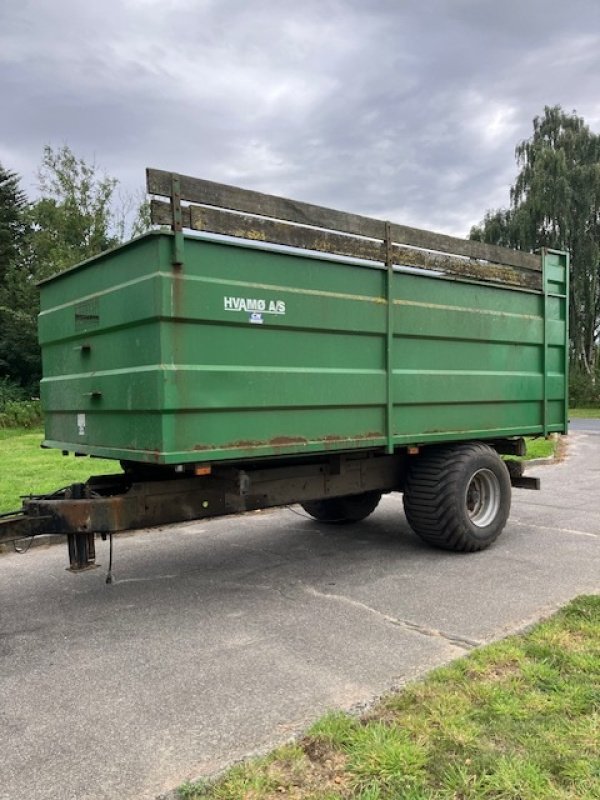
column 555, row 202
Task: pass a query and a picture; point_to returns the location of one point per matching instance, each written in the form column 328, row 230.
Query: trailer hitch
column 110, row 504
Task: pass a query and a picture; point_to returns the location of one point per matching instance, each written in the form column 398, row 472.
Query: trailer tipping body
column 178, row 350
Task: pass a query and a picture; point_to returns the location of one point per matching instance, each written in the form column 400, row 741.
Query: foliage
column 583, row 393
column 515, row 719
column 79, row 214
column 19, row 352
column 10, row 392
column 555, row 202
column 142, row 221
column 19, row 358
column 17, row 410
column 21, row 414
column 12, row 221
column 74, row 219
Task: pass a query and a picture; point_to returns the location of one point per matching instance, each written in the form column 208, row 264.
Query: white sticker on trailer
column 81, row 424
column 253, row 305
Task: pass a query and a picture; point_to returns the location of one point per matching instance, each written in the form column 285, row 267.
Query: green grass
column 516, row 720
column 27, row 469
column 537, row 448
column 540, row 448
column 585, row 413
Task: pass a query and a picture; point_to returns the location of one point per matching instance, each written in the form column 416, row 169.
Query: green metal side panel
column 244, row 352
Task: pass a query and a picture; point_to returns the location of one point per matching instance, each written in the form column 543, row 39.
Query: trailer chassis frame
column 155, row 496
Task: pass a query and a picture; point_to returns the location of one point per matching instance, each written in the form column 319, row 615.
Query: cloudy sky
column 407, row 109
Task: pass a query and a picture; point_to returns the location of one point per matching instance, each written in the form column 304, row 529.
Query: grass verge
column 537, row 448
column 540, row 448
column 585, row 413
column 516, row 720
column 27, row 469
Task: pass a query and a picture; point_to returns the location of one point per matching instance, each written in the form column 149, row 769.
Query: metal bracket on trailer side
column 518, row 479
column 526, row 483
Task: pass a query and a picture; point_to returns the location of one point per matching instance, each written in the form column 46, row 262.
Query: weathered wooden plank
column 214, row 220
column 467, row 268
column 196, row 190
column 243, row 226
column 416, row 237
column 161, row 214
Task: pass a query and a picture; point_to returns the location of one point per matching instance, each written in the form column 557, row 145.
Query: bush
column 584, row 391
column 10, row 392
column 16, row 411
column 21, row 414
column 20, row 358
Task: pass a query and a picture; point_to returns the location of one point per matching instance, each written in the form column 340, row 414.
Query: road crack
column 461, row 642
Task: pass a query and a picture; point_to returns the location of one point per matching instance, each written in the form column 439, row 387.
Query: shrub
column 21, row 414
column 16, row 411
column 584, row 390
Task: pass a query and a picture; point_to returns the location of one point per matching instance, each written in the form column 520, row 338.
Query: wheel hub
column 483, row 498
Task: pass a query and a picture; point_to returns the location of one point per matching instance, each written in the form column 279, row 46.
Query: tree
column 12, row 219
column 555, row 202
column 77, row 216
column 19, row 360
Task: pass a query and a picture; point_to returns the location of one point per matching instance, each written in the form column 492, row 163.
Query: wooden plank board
column 243, row 226
column 416, row 237
column 213, row 220
column 209, row 193
column 195, row 190
column 161, row 214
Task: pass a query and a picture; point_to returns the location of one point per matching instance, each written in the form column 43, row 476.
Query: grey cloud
column 400, row 109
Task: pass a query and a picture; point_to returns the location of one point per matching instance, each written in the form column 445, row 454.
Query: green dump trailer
column 282, row 352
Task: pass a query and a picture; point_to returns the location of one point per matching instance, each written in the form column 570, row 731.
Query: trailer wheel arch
column 343, row 510
column 458, row 497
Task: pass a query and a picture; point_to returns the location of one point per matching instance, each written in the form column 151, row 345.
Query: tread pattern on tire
column 434, row 492
column 343, row 510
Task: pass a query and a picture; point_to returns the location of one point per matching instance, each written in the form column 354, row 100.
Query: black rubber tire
column 343, row 510
column 436, row 499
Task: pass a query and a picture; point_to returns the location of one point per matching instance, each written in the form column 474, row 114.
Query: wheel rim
column 482, row 498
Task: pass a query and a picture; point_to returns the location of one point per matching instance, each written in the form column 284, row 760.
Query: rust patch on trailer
column 332, row 440
column 356, row 437
column 370, row 435
column 290, row 441
column 248, row 444
column 428, row 431
column 281, row 441
column 243, row 444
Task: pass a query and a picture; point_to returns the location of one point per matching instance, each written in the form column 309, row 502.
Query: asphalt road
column 228, row 636
column 587, row 425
